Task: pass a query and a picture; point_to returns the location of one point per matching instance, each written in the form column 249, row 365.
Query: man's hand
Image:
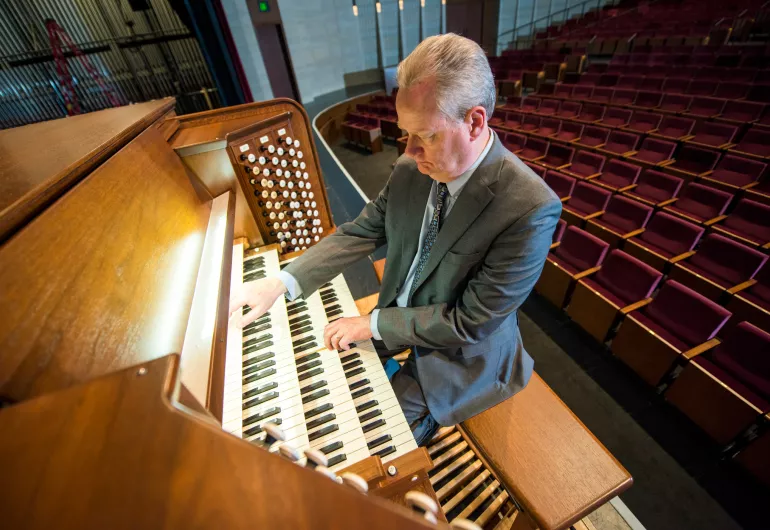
column 341, row 333
column 260, row 295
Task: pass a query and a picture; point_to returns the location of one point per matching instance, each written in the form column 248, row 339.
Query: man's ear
column 476, row 119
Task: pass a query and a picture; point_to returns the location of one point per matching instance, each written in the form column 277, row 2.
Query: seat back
column 582, row 91
column 728, row 260
column 559, row 154
column 558, row 233
column 580, row 249
column 751, row 218
column 654, row 150
column 644, row 121
column 676, row 102
column 738, row 171
column 620, row 142
column 549, row 126
column 676, row 127
column 627, row 278
column 589, row 79
column 626, row 213
column 616, row 117
column 592, row 112
column 756, row 141
column 706, row 107
column 672, row 234
column 530, row 103
column 689, row 316
column 658, row 186
column 514, row 141
column 561, row 184
column 562, row 90
column 535, row 147
column 648, row 99
column 732, row 90
column 602, row 94
column 587, row 163
column 629, row 81
column 702, row 87
column 715, row 134
column 620, row 174
column 549, row 106
column 743, row 110
column 675, row 86
column 589, row 198
column 745, row 354
column 695, row 159
column 574, row 129
column 716, row 201
column 570, row 108
column 593, row 136
column 624, row 96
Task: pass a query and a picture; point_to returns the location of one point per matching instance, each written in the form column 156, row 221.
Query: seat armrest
column 593, row 215
column 591, row 177
column 554, row 245
column 741, row 286
column 563, row 167
column 715, row 220
column 621, row 190
column 664, row 163
column 750, row 185
column 681, row 257
column 629, row 154
column 637, row 305
column 585, row 273
column 633, row 233
column 668, row 202
column 701, row 348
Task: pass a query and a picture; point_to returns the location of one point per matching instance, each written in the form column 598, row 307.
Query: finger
column 249, row 317
column 336, row 341
column 329, row 332
column 345, row 343
column 236, row 302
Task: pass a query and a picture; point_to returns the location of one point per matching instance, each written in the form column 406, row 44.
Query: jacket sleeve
column 352, row 241
column 508, row 274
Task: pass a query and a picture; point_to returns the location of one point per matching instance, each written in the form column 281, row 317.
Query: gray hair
column 461, row 72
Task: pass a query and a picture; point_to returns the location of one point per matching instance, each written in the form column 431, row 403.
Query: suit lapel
column 411, row 221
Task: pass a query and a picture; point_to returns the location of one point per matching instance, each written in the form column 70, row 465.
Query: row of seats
column 386, row 116
column 363, row 131
column 754, row 57
column 620, row 78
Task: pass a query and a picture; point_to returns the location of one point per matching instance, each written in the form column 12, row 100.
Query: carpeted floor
column 679, row 480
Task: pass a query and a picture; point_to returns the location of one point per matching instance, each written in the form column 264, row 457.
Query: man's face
column 442, row 148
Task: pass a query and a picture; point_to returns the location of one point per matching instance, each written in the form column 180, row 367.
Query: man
column 468, row 228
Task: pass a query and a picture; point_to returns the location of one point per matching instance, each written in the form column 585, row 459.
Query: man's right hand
column 260, row 295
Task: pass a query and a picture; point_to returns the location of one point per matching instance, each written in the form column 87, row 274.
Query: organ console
column 135, row 402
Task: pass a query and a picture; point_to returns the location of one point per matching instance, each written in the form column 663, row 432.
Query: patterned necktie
column 430, row 237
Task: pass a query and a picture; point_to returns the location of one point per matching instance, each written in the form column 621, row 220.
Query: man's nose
column 411, row 149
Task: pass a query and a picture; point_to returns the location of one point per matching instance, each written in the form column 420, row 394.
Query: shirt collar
column 456, row 185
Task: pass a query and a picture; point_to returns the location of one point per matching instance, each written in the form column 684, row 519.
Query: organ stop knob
column 423, row 504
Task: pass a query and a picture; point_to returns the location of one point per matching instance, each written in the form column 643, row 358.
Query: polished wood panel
column 557, row 471
column 104, row 278
column 329, row 122
column 644, row 351
column 115, row 453
column 41, row 161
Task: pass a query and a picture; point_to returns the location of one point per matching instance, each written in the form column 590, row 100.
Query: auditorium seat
column 755, row 143
column 577, row 256
column 651, row 84
column 530, row 123
column 589, row 79
column 534, row 149
column 741, row 112
column 674, row 128
column 726, row 389
column 617, row 176
column 557, row 156
column 622, row 97
column 586, row 165
column 675, row 103
column 539, row 170
column 713, row 134
column 644, row 122
column 514, row 142
column 647, row 100
column 498, row 118
column 734, row 173
column 619, row 143
column 692, row 162
column 629, row 81
column 590, row 113
column 719, row 268
column 749, row 223
column 561, row 184
column 548, row 107
column 615, row 117
column 654, row 152
column 569, row 132
column 587, row 201
column 582, row 92
column 622, row 284
column 530, row 104
column 678, row 324
column 593, row 137
column 568, row 110
column 513, row 121
column 623, row 218
column 705, row 107
column 601, row 95
column 755, row 457
column 675, row 86
column 753, row 303
column 655, row 188
column 665, row 241
column 563, row 91
column 702, row 87
column 701, row 204
column 558, row 233
column 732, row 90
column 548, row 127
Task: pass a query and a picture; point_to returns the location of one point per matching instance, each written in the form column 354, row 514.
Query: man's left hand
column 341, row 333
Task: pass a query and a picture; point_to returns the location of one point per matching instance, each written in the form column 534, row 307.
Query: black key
column 331, row 447
column 333, row 308
column 373, row 425
column 318, row 410
column 355, row 385
column 315, row 395
column 257, row 340
column 305, row 347
column 307, row 358
column 257, row 329
column 303, row 340
column 367, row 405
column 336, row 459
column 310, row 374
column 296, row 310
column 354, row 373
column 320, row 421
column 297, row 320
column 328, row 300
column 385, row 452
column 259, row 417
column 379, row 441
column 325, row 289
column 258, row 359
column 258, row 428
column 258, row 322
column 253, row 266
column 261, row 346
column 300, row 325
column 256, row 391
column 246, row 309
column 327, row 284
column 258, row 401
column 258, row 367
column 295, row 304
column 333, row 313
column 254, row 276
column 323, row 432
column 257, row 377
column 362, row 392
column 350, row 357
column 299, row 331
column 369, row 415
column 353, row 364
column 328, row 297
column 308, row 366
column 311, row 387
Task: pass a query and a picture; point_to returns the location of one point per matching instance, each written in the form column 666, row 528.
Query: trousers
column 407, row 388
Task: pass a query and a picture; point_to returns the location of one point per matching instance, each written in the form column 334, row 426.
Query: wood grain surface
column 552, row 465
column 39, row 162
column 114, row 453
column 104, row 278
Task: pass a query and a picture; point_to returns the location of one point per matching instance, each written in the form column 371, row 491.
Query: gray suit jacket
column 488, row 255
